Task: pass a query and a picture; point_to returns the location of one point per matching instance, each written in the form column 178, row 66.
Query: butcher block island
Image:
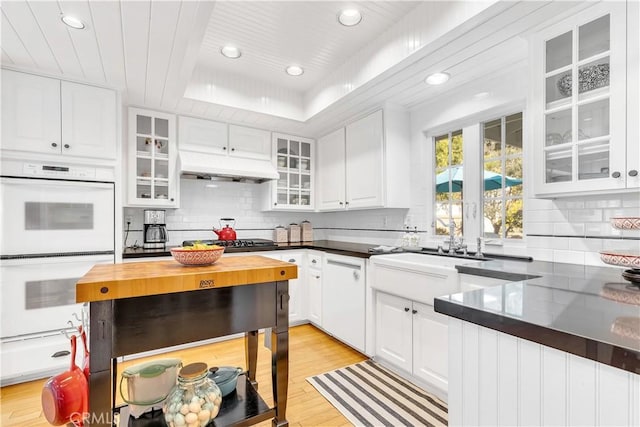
column 146, row 306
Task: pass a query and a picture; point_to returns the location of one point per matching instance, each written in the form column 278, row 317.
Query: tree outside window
column 448, row 200
column 502, row 156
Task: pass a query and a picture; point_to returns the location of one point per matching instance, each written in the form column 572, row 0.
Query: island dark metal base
column 121, row 327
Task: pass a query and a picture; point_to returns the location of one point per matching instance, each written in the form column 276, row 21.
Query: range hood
column 194, row 164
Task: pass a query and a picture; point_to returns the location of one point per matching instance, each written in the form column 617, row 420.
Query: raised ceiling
column 165, row 54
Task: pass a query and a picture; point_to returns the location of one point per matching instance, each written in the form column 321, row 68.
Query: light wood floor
column 311, row 352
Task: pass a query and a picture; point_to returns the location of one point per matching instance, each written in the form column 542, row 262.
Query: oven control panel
column 56, row 171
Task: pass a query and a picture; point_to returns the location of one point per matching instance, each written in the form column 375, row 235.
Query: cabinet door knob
column 292, row 260
column 414, row 311
column 346, row 203
column 633, row 172
column 616, row 174
column 275, row 203
column 53, row 144
column 233, row 149
column 341, row 203
column 314, row 261
column 406, row 309
column 172, row 199
column 66, row 145
column 224, row 148
column 317, row 277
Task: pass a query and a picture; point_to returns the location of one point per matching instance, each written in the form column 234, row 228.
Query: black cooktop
column 239, row 243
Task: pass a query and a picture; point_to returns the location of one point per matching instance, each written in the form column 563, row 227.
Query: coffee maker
column 155, row 230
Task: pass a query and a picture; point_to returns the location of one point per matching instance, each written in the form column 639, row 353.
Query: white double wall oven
column 57, row 222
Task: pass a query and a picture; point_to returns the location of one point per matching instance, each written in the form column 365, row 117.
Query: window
column 492, row 180
column 502, row 170
column 448, row 168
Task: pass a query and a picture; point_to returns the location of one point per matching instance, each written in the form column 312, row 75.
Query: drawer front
column 421, row 287
column 30, row 359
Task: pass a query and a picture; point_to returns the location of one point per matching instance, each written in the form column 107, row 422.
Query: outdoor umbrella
column 492, row 180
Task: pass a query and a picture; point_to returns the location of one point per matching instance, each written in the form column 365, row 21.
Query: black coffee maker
column 155, row 229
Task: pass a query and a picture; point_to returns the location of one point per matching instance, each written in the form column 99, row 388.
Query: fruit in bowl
column 198, row 254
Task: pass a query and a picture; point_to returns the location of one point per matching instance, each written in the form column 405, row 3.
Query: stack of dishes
column 630, row 259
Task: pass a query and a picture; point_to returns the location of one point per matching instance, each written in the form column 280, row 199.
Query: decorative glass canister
column 195, row 400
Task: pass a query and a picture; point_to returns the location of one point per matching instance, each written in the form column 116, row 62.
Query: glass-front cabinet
column 153, row 177
column 293, row 190
column 579, row 128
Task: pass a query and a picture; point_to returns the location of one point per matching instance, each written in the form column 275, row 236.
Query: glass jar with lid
column 195, row 400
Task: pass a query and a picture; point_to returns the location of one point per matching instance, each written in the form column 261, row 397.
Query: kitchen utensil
column 225, row 377
column 148, row 383
column 626, row 222
column 85, row 357
column 629, row 259
column 195, row 400
column 65, row 397
column 227, row 232
column 197, row 256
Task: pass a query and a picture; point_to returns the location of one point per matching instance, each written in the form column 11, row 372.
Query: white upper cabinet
column 331, row 161
column 207, row 136
column 366, row 164
column 44, row 115
column 88, row 121
column 580, row 138
column 294, row 188
column 203, row 135
column 153, row 177
column 249, row 143
column 364, row 160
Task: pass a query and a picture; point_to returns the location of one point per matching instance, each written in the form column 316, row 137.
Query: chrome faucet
column 454, row 244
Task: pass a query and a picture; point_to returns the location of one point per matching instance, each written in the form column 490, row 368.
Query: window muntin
column 449, row 158
column 502, row 175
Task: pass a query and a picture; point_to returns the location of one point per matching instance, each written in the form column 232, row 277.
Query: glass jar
column 195, row 400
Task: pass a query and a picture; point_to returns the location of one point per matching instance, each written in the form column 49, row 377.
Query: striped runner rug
column 369, row 395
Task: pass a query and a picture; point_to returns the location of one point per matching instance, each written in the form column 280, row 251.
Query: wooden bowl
column 197, row 256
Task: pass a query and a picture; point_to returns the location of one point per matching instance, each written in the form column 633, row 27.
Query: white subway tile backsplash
column 568, row 229
column 551, row 215
column 568, row 257
column 585, row 215
column 539, row 228
column 603, row 203
column 631, row 200
column 585, row 245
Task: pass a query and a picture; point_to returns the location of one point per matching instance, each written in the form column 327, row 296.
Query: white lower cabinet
column 343, row 299
column 314, row 289
column 412, row 337
column 297, row 290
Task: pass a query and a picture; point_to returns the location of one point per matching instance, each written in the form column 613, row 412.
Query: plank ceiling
column 154, row 51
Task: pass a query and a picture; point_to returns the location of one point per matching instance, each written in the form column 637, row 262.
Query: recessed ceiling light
column 294, row 70
column 73, row 22
column 349, row 17
column 231, row 52
column 437, row 78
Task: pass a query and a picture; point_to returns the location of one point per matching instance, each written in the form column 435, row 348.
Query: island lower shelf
column 244, row 406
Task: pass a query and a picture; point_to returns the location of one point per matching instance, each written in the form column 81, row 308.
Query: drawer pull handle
column 616, row 174
column 61, row 353
column 406, row 309
column 414, row 311
column 633, row 172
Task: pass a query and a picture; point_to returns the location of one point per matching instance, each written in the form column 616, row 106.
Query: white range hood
column 194, row 164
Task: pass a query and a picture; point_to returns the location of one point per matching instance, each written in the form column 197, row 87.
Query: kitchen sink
column 417, row 277
column 423, row 262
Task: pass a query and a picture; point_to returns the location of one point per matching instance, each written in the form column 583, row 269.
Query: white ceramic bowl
column 197, row 256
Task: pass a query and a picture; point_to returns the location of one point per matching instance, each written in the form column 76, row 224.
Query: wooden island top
column 116, row 281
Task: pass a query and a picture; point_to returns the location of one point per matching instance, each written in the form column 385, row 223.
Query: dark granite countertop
column 360, row 250
column 584, row 310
